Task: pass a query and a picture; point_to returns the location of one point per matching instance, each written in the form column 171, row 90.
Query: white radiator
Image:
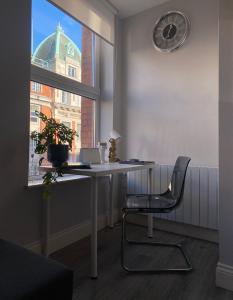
column 200, row 203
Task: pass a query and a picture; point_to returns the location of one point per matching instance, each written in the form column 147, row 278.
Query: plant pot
column 57, row 154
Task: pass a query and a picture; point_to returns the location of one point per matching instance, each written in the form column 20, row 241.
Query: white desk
column 95, row 172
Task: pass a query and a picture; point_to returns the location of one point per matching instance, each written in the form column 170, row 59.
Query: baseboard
column 224, row 276
column 72, row 234
column 178, row 228
column 75, row 233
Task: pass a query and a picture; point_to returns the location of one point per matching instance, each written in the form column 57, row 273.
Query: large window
column 63, row 82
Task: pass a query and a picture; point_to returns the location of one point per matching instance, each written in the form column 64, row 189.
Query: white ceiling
column 129, row 8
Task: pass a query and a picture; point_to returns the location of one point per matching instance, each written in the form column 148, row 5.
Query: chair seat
column 25, row 275
column 147, row 202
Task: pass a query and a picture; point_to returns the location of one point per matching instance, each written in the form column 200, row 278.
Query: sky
column 46, row 17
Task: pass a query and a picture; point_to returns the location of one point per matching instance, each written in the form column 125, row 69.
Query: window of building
column 78, row 91
column 34, row 120
column 36, row 87
column 66, row 98
column 70, row 50
column 80, row 118
column 71, row 71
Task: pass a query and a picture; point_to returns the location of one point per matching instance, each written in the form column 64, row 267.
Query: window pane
column 77, row 113
column 36, row 87
column 61, row 44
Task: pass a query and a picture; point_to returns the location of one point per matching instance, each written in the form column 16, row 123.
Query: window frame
column 68, row 84
column 60, row 82
column 63, row 83
column 72, row 71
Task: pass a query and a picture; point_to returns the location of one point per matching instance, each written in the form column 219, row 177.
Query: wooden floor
column 114, row 283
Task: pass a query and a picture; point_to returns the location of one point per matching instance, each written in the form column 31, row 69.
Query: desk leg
column 150, row 216
column 45, row 227
column 110, row 213
column 94, row 227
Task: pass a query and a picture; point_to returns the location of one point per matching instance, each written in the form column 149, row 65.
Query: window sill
column 60, row 180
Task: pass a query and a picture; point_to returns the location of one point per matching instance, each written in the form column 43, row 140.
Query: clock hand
column 168, row 33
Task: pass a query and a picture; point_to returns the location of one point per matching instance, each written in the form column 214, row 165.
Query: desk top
column 98, row 170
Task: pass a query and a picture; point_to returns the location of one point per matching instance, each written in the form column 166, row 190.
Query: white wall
column 170, row 100
column 225, row 265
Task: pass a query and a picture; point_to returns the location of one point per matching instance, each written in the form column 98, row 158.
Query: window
column 34, row 120
column 61, row 45
column 36, row 87
column 78, row 117
column 70, row 50
column 71, row 71
column 66, row 97
column 63, row 78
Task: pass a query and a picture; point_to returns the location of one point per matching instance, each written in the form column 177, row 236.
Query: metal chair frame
column 179, row 246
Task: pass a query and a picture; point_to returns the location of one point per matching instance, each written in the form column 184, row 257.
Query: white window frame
column 63, row 83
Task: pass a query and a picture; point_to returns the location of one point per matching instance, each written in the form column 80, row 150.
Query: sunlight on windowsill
column 60, row 180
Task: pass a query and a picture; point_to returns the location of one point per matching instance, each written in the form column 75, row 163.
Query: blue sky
column 45, row 18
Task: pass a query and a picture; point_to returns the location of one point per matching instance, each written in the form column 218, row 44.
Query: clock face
column 170, row 31
column 70, row 50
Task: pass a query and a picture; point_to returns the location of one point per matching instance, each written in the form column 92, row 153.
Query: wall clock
column 171, row 31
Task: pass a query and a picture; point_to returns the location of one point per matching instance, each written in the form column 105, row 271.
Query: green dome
column 58, row 45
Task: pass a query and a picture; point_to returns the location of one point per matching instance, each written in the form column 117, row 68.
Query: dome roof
column 59, row 45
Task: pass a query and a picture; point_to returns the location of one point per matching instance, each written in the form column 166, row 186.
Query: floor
column 114, row 283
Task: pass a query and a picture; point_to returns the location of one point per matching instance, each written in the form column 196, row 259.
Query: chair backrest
column 90, row 155
column 176, row 186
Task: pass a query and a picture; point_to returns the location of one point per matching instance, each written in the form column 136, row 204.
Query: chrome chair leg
column 179, row 246
column 123, row 240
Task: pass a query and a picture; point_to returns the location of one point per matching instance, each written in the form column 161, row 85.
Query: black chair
column 157, row 203
column 25, row 275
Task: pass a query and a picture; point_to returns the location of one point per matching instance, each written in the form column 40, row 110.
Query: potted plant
column 55, row 139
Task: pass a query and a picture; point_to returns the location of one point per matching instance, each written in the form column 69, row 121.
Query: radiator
column 200, row 202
